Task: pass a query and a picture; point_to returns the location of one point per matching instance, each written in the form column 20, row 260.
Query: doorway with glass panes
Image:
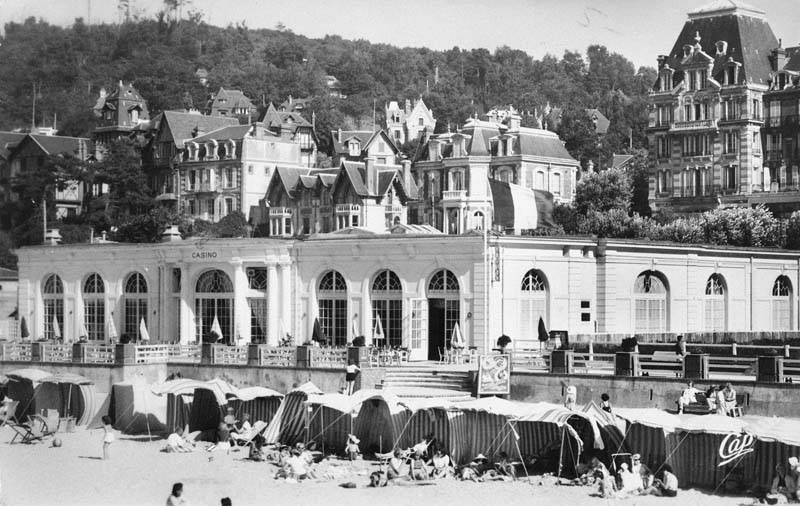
column 444, row 311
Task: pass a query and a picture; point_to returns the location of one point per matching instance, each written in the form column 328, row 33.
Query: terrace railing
column 185, row 353
column 151, row 353
column 282, row 356
column 329, row 357
column 16, row 352
column 56, row 352
column 98, row 353
column 222, row 354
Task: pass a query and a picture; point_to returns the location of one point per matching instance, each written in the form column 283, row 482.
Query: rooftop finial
column 697, row 37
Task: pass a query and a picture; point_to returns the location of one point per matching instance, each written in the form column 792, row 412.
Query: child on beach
column 108, row 436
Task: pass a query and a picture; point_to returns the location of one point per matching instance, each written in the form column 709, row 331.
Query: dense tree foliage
column 63, row 69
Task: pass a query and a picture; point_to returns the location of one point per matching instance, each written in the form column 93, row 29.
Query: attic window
column 666, row 79
column 703, row 79
column 722, row 47
column 354, row 148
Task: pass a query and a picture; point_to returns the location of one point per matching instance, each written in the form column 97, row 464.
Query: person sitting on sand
column 176, row 443
column 602, row 477
column 230, row 420
column 176, row 497
column 223, row 439
column 442, row 465
column 419, row 469
column 257, row 450
column 298, row 469
column 641, row 470
column 351, row 449
column 628, row 481
column 505, row 467
column 397, row 466
column 476, row 469
column 667, row 486
column 377, row 479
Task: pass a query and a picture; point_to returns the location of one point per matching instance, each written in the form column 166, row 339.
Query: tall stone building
column 706, row 111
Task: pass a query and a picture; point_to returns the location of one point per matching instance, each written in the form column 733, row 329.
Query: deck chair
column 247, row 439
column 9, row 413
column 442, row 356
column 26, row 432
column 47, row 425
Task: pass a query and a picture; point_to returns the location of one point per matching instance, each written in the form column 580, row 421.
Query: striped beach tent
column 289, row 423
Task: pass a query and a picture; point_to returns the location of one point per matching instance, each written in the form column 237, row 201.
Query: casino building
column 419, row 285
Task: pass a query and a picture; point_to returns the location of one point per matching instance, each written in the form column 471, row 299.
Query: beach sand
column 139, row 474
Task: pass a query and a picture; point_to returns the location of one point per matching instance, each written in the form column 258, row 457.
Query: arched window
column 443, row 297
column 477, row 220
column 714, row 304
column 94, row 307
column 387, row 306
column 332, row 298
column 533, row 303
column 650, row 303
column 135, row 304
column 214, row 302
column 781, row 304
column 53, row 298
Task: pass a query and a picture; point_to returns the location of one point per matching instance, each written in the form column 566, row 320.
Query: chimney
column 52, row 237
column 408, row 107
column 779, row 56
column 171, row 234
column 661, row 59
column 406, row 163
column 514, row 119
column 371, row 172
column 340, row 135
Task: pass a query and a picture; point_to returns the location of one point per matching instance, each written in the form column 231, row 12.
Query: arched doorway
column 214, row 299
column 533, row 304
column 782, row 304
column 94, row 307
column 650, row 296
column 53, row 299
column 332, row 300
column 387, row 305
column 443, row 311
column 714, row 316
column 135, row 304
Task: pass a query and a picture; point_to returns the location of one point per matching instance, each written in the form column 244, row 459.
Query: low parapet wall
column 767, row 399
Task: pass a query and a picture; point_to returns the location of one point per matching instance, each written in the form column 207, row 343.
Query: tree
column 7, row 258
column 577, row 131
column 603, row 191
column 232, row 225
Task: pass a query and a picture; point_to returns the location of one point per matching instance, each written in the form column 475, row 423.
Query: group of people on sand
column 229, row 434
column 785, row 483
column 633, row 479
column 719, row 399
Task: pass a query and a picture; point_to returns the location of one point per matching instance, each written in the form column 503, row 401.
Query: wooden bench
column 663, row 363
column 700, row 405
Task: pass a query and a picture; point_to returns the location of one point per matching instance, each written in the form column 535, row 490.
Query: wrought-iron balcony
column 347, row 208
column 702, row 124
column 283, row 212
column 454, row 194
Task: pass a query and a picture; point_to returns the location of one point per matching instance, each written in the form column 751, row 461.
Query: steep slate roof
column 125, row 92
column 225, row 133
column 743, row 27
column 274, row 118
column 54, row 144
column 363, row 137
column 619, row 161
column 233, row 99
column 386, row 174
column 7, row 141
column 538, row 142
column 182, row 125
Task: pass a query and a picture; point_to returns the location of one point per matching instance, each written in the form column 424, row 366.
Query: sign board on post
column 494, row 375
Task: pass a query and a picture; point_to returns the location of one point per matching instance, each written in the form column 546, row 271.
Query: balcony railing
column 184, row 353
column 283, row 356
column 222, row 354
column 98, row 354
column 454, row 194
column 347, row 208
column 17, row 352
column 394, row 209
column 280, row 211
column 702, row 124
column 56, row 352
column 152, row 354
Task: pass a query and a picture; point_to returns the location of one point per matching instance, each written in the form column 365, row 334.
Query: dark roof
column 748, row 35
column 125, row 92
column 619, row 161
column 226, row 133
column 290, row 176
column 8, row 274
column 363, row 137
column 184, row 125
column 230, row 99
column 55, row 144
column 543, row 143
column 290, row 120
column 8, row 140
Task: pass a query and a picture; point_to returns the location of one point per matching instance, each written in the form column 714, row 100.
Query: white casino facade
column 418, row 286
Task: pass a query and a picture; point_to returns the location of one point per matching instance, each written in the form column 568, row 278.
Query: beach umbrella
column 215, row 328
column 143, row 334
column 354, row 330
column 112, row 329
column 56, row 328
column 543, row 335
column 377, row 333
column 316, row 335
column 83, row 332
column 457, row 340
column 23, row 328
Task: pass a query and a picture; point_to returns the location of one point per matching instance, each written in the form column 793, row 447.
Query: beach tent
column 646, row 433
column 612, row 429
column 258, row 402
column 776, row 439
column 209, row 404
column 693, row 450
column 179, row 395
column 22, row 385
column 381, row 420
column 289, row 423
column 330, row 418
column 37, row 390
column 135, row 409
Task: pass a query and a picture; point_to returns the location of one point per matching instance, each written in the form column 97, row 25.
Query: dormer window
column 703, row 74
column 211, row 150
column 355, row 148
column 458, row 147
column 230, row 149
column 666, row 79
column 782, row 81
column 690, row 80
column 193, row 149
column 135, row 116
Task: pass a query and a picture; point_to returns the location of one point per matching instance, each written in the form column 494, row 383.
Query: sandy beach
column 139, row 474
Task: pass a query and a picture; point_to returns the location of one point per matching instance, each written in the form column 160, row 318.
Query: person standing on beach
column 350, row 376
column 108, row 437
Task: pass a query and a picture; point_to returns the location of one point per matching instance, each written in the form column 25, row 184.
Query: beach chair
column 442, row 356
column 26, row 432
column 46, row 425
column 10, row 414
column 247, row 439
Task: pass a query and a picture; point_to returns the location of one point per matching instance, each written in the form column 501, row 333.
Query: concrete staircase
column 426, row 382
